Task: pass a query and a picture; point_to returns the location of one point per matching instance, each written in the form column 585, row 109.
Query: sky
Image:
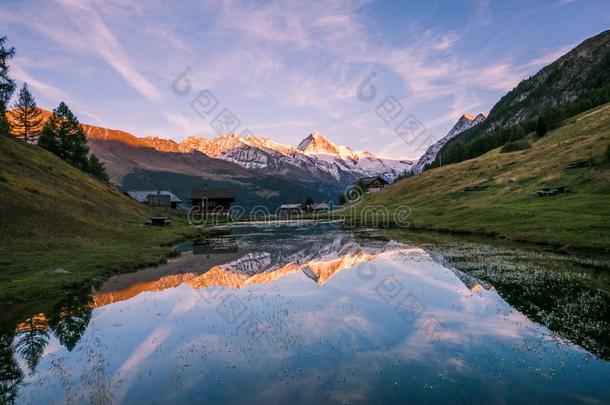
column 389, row 77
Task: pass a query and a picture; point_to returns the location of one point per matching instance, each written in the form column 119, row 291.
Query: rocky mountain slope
column 318, row 168
column 151, row 163
column 580, row 70
column 576, row 82
column 465, row 122
column 316, row 157
column 361, row 164
column 317, row 144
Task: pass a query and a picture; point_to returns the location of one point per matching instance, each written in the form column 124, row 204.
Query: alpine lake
column 309, row 312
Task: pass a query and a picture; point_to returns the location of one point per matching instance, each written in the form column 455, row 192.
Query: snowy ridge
column 465, row 122
column 315, row 156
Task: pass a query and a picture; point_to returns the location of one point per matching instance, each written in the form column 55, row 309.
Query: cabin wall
column 213, row 204
column 159, row 201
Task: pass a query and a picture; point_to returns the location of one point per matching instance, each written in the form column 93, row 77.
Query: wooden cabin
column 290, row 209
column 213, row 200
column 158, row 198
column 372, row 184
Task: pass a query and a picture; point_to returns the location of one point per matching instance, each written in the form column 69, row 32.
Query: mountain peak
column 465, row 122
column 315, row 142
column 318, row 144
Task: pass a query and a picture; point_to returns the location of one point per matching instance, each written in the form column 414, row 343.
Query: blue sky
column 285, row 68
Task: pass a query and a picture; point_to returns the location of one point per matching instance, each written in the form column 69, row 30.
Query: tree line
column 61, row 134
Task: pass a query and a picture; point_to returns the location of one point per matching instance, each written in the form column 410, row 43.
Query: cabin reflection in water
column 225, row 244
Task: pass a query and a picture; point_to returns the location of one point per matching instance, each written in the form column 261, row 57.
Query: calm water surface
column 312, row 313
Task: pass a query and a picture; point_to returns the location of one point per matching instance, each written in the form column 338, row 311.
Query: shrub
column 541, row 127
column 515, row 146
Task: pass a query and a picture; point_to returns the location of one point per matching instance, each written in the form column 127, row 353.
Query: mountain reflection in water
column 294, row 313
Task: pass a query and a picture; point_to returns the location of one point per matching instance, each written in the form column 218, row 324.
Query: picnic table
column 159, row 221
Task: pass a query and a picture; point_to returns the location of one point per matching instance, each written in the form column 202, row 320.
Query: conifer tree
column 7, row 85
column 27, row 116
column 97, row 169
column 63, row 136
column 541, row 127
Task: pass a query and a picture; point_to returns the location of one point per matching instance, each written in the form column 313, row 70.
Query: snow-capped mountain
column 361, row 163
column 317, row 144
column 465, row 122
column 316, row 157
column 266, row 172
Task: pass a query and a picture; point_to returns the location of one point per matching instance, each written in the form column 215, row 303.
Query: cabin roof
column 141, row 195
column 367, row 181
column 290, row 206
column 212, row 193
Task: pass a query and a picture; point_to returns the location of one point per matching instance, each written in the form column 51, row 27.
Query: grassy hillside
column 580, row 219
column 61, row 228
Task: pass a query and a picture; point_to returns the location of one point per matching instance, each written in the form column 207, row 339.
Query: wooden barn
column 158, row 198
column 213, row 200
column 372, row 184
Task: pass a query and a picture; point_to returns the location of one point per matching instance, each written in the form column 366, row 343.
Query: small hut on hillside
column 372, row 184
column 290, row 209
column 158, row 198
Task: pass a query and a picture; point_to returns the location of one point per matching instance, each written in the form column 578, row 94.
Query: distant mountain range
column 263, row 171
column 316, row 156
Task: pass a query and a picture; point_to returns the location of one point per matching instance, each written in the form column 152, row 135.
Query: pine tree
column 96, row 168
column 27, row 116
column 63, row 136
column 7, row 86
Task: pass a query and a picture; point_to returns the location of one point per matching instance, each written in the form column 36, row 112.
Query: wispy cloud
column 101, row 40
column 51, row 93
column 284, row 67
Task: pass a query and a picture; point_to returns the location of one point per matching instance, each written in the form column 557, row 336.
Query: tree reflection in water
column 10, row 373
column 553, row 290
column 67, row 321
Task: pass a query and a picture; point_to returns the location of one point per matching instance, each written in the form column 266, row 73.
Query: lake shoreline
column 135, row 256
column 493, row 235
